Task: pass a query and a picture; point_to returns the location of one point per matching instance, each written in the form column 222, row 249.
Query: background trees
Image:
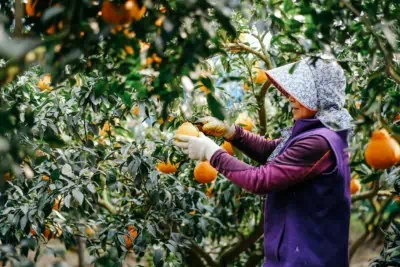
column 82, row 133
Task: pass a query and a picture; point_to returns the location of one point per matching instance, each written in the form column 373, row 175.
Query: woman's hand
column 215, row 127
column 197, row 148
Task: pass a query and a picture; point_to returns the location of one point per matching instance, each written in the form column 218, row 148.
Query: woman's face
column 300, row 111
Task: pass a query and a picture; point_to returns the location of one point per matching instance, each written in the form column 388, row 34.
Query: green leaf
column 78, row 196
column 158, row 258
column 51, row 13
column 215, row 107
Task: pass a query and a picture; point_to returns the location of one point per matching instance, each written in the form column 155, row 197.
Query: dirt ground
column 362, row 257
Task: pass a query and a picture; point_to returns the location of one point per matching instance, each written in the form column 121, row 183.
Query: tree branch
column 240, row 46
column 19, row 15
column 106, row 204
column 193, row 259
column 254, row 259
column 229, row 255
column 367, row 194
column 200, row 252
column 261, row 104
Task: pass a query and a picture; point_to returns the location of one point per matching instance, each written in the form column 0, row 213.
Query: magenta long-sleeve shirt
column 305, row 159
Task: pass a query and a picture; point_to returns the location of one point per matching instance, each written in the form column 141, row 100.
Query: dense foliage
column 81, row 132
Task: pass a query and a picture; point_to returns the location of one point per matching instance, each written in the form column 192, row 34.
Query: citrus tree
column 86, row 137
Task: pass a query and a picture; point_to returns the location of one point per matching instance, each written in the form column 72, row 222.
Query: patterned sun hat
column 317, row 84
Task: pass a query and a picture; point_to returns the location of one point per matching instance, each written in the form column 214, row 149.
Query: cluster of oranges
column 382, row 152
column 119, row 14
column 203, row 172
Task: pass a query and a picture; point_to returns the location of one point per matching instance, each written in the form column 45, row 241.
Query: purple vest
column 308, row 224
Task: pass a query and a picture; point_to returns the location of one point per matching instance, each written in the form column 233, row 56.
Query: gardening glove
column 215, row 127
column 197, row 148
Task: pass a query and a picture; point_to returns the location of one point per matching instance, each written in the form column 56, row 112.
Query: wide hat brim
column 296, row 80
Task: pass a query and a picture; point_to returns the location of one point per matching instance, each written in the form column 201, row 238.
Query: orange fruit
column 48, row 234
column 114, row 13
column 204, row 88
column 397, row 118
column 56, row 205
column 106, row 129
column 209, row 191
column 228, row 147
column 39, row 153
column 33, row 231
column 132, row 231
column 193, row 212
column 51, row 30
column 30, row 8
column 188, row 129
column 89, row 231
column 382, row 151
column 355, row 186
column 129, row 238
column 245, row 121
column 136, row 110
column 156, row 58
column 45, row 178
column 159, row 21
column 134, row 11
column 261, row 77
column 8, row 177
column 144, row 46
column 129, row 49
column 167, row 167
column 204, row 172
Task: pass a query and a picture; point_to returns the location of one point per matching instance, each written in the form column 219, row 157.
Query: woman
column 305, row 173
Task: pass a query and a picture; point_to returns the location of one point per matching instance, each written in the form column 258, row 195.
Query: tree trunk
column 19, row 15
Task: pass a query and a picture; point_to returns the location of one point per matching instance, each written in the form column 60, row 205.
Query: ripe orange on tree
column 209, row 191
column 355, row 186
column 129, row 49
column 30, row 8
column 204, row 172
column 170, row 118
column 204, row 88
column 106, row 129
column 115, row 13
column 33, row 231
column 397, row 118
column 56, row 205
column 49, row 234
column 122, row 13
column 245, row 121
column 261, row 77
column 382, row 150
column 246, row 86
column 44, row 83
column 89, row 231
column 135, row 110
column 159, row 21
column 134, row 10
column 193, row 212
column 7, row 176
column 130, row 237
column 35, row 8
column 188, row 129
column 167, row 167
column 228, row 147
